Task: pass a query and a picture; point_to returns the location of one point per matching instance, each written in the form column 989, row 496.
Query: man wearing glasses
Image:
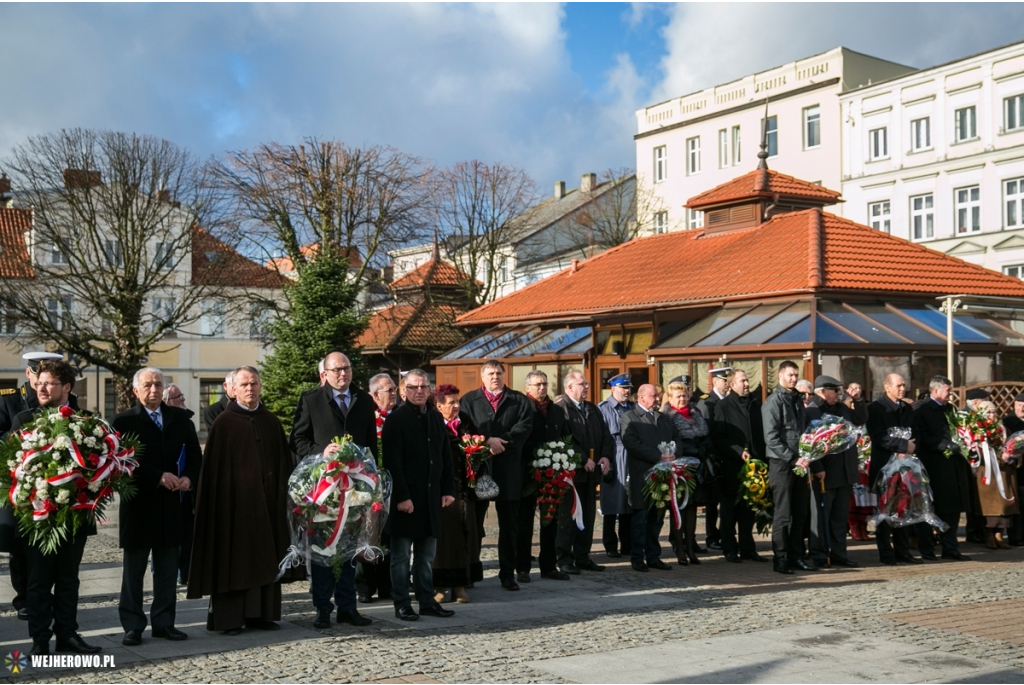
column 333, row 410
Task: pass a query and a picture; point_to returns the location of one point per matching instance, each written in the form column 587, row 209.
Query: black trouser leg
column 625, row 532
column 711, row 512
column 584, row 539
column 165, row 592
column 53, row 590
column 129, row 607
column 524, row 536
column 508, row 520
column 728, row 512
column 948, row 537
column 546, row 559
column 188, row 523
column 608, row 537
column 18, row 566
column 655, row 519
column 792, row 498
column 883, row 534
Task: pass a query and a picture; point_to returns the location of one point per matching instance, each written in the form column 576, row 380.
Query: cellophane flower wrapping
column 969, row 429
column 755, row 492
column 338, row 506
column 1014, row 447
column 61, row 472
column 476, row 452
column 904, row 493
column 554, row 466
column 827, row 435
column 678, row 477
column 863, row 449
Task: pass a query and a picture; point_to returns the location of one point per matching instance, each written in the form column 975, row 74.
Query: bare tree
column 114, row 218
column 480, row 208
column 619, row 212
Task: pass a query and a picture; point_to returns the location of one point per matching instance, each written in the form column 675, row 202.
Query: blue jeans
column 344, row 590
column 423, row 576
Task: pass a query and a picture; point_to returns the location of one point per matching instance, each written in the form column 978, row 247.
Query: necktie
column 342, row 405
column 156, row 419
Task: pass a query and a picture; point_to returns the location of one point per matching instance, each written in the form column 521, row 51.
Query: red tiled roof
column 216, row 264
column 752, row 185
column 14, row 261
column 799, row 252
column 434, row 272
column 285, row 265
column 423, row 326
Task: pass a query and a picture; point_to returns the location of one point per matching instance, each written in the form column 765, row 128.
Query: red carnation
column 67, row 412
column 549, row 473
column 81, row 483
column 82, row 497
column 377, row 506
column 297, row 510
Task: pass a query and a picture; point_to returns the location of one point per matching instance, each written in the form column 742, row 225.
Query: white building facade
column 937, row 157
column 693, row 143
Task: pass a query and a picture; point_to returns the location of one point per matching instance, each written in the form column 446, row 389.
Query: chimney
column 5, row 191
column 78, row 179
column 588, row 182
column 559, row 190
column 163, row 196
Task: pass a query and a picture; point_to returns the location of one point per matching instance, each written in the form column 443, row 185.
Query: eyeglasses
column 537, row 385
column 339, row 370
column 416, row 388
column 390, row 391
column 51, row 384
column 175, row 397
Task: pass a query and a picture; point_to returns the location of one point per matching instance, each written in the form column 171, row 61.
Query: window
column 259, row 322
column 660, row 164
column 723, row 149
column 922, row 217
column 59, row 312
column 212, row 320
column 1014, row 196
column 968, row 209
column 56, row 256
column 695, row 218
column 772, row 134
column 1013, row 113
column 878, row 215
column 878, row 143
column 164, row 256
column 112, row 253
column 966, row 124
column 921, row 134
column 163, row 310
column 8, row 324
column 1015, row 270
column 660, row 222
column 735, row 145
column 812, row 126
column 693, row 155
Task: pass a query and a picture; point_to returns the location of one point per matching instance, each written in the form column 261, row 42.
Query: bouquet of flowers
column 827, row 435
column 337, row 508
column 62, row 471
column 554, row 466
column 904, row 493
column 863, row 449
column 668, row 482
column 476, row 451
column 756, row 493
column 975, row 433
column 1014, row 447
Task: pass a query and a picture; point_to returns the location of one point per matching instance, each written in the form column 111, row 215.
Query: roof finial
column 763, row 154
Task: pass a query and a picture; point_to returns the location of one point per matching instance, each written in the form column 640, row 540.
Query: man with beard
column 614, row 506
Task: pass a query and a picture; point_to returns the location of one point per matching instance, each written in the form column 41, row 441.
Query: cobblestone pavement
column 494, row 638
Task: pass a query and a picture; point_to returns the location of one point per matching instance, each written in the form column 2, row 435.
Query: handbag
column 486, row 488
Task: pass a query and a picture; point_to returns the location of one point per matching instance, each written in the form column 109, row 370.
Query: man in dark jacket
column 417, row 453
column 950, row 476
column 719, row 391
column 151, row 521
column 784, row 422
column 1013, row 422
column 218, row 407
column 549, row 424
column 505, row 418
column 643, row 429
column 738, row 434
column 884, row 414
column 590, row 437
column 834, row 477
column 331, row 411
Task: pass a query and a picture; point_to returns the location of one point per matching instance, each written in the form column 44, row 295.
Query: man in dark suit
column 884, row 414
column 417, row 453
column 331, row 411
column 719, row 391
column 151, row 522
column 738, row 434
column 591, row 438
column 215, row 409
column 950, row 476
column 1013, row 422
column 643, row 429
column 505, row 418
column 53, row 578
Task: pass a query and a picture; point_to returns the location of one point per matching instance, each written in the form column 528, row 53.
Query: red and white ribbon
column 577, row 505
column 992, row 465
column 337, row 475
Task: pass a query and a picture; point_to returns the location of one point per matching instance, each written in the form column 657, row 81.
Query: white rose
column 95, row 486
column 90, row 442
column 19, row 454
column 569, row 451
column 63, row 497
column 27, row 445
column 98, row 432
column 40, row 483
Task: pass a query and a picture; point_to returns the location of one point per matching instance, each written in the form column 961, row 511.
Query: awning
column 524, row 341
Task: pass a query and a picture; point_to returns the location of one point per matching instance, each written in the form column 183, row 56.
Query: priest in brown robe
column 241, row 530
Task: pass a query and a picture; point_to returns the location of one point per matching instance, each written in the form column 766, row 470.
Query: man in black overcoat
column 417, row 453
column 738, row 434
column 218, row 407
column 1013, row 422
column 950, row 476
column 643, row 429
column 151, row 522
column 505, row 418
column 712, row 495
column 331, row 411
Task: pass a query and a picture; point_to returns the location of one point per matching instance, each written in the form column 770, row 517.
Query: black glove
column 951, row 447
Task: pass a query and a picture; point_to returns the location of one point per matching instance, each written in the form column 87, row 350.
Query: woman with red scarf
column 692, row 437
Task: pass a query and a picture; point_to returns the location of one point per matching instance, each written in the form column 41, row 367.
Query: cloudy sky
column 551, row 88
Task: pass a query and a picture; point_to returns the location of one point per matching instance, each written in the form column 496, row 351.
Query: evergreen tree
column 321, row 317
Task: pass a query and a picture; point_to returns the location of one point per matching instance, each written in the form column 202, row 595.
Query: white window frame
column 878, row 143
column 112, row 253
column 660, row 163
column 1013, row 113
column 260, row 319
column 661, row 222
column 880, row 216
column 917, row 127
column 965, row 124
column 724, row 158
column 59, row 311
column 162, row 308
column 56, row 256
column 164, row 251
column 8, row 324
column 213, row 320
column 694, row 218
column 735, row 145
column 967, row 209
column 922, row 218
column 812, row 127
column 1013, row 202
column 693, row 156
column 772, row 135
column 1014, row 270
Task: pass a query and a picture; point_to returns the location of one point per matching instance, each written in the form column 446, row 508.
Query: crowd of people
column 217, row 519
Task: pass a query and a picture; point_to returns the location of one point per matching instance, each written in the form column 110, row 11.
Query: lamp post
column 949, row 306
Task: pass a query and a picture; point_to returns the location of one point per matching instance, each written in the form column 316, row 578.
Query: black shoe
column 845, row 563
column 521, row 577
column 353, row 618
column 23, row 614
column 732, row 558
column 257, row 624
column 715, row 545
column 172, row 634
column 803, row 565
column 589, row 565
column 820, row 563
column 40, row 648
column 642, row 567
column 555, row 575
column 908, row 559
column 929, row 556
column 406, row 614
column 364, row 599
column 682, row 561
column 889, row 562
column 323, row 618
column 693, row 559
column 132, row 638
column 436, row 610
column 616, row 555
column 570, row 569
column 659, row 565
column 782, row 566
column 753, row 556
column 955, row 555
column 976, row 539
column 76, row 645
column 511, row 585
column 702, row 550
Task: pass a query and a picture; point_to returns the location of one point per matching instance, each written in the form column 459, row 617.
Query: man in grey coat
column 614, row 506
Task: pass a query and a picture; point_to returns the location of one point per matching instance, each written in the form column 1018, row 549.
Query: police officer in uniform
column 719, row 389
column 614, row 506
